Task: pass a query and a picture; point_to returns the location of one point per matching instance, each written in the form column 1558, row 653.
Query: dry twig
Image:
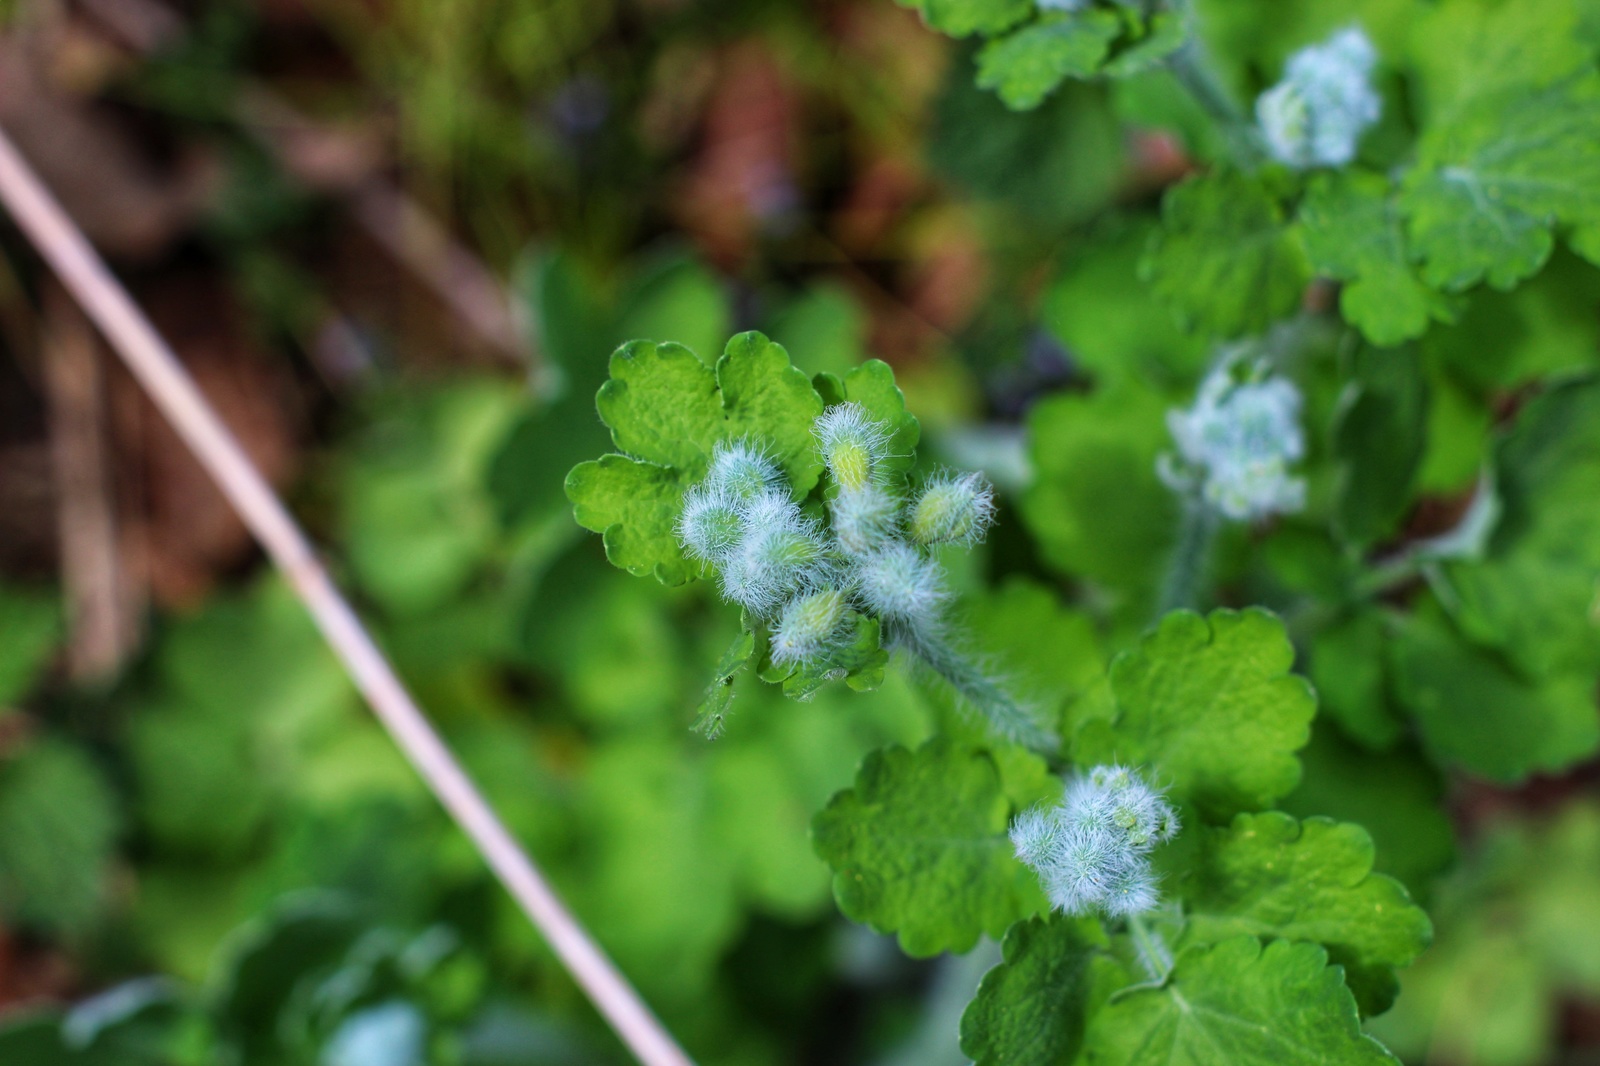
column 152, row 362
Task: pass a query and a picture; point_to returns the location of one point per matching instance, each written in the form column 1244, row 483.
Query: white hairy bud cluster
column 1316, row 115
column 1091, row 851
column 810, row 582
column 1237, row 444
column 742, row 519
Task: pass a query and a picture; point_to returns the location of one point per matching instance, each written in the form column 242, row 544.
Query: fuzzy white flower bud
column 711, row 525
column 854, row 444
column 809, row 626
column 899, row 583
column 953, row 510
column 741, row 470
column 780, row 552
column 1237, row 443
column 863, row 518
column 1316, row 115
column 1091, row 851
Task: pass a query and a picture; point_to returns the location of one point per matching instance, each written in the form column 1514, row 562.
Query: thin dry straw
column 85, row 275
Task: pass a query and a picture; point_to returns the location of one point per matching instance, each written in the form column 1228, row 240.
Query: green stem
column 978, row 689
column 1192, row 68
column 1390, row 574
column 1187, row 571
column 1154, row 955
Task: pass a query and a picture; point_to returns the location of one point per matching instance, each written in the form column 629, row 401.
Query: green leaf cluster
column 1280, row 933
column 1028, row 52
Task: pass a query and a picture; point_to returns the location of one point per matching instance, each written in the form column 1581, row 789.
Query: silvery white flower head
column 900, row 584
column 781, row 552
column 1091, row 850
column 1316, row 115
column 1236, row 445
column 742, row 470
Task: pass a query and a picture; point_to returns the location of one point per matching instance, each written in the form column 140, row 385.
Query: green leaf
column 1225, row 258
column 1353, row 233
column 1209, row 706
column 1164, row 34
column 1031, row 1010
column 1491, row 182
column 1475, row 713
column 215, row 751
column 29, row 625
column 577, row 328
column 1519, row 936
column 1026, row 65
column 662, row 405
column 1397, row 796
column 418, row 523
column 1505, row 340
column 765, row 398
column 272, row 960
column 1237, row 1003
column 1111, row 323
column 1054, row 165
column 1537, row 593
column 58, row 824
column 659, row 881
column 758, row 819
column 1273, row 877
column 1379, row 436
column 1096, row 507
column 919, row 848
column 824, row 329
column 1466, row 50
column 961, row 18
column 1347, row 670
column 676, row 297
column 712, row 713
column 667, row 410
column 635, row 506
column 666, row 407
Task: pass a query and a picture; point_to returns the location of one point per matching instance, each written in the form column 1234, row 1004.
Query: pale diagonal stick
column 169, row 385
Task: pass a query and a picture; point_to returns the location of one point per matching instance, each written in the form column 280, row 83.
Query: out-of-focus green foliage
column 1054, row 242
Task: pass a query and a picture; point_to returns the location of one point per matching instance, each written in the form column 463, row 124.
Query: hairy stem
column 978, row 689
column 1154, row 955
column 1191, row 554
column 1192, row 68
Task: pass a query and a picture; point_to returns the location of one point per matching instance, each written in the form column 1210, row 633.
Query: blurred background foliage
column 208, row 850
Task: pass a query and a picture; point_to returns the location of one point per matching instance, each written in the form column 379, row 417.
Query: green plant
column 1236, row 572
column 1308, row 445
column 920, row 846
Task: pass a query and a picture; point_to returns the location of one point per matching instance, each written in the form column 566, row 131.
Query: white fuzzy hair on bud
column 863, row 518
column 854, row 444
column 1091, row 851
column 711, row 524
column 804, row 580
column 953, row 509
column 809, row 626
column 741, row 470
column 781, row 553
column 901, row 584
column 1316, row 115
column 1237, row 443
